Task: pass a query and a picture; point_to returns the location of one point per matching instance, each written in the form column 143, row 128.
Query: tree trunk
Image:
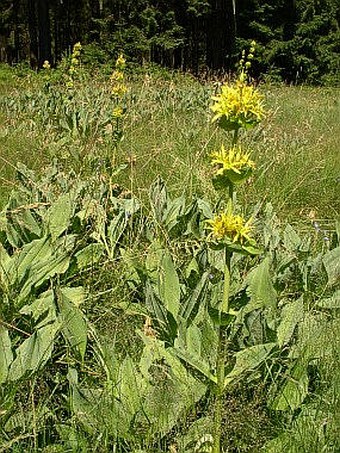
column 221, row 31
column 44, row 32
column 33, row 33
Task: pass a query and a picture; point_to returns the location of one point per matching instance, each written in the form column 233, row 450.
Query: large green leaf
column 158, row 198
column 73, row 324
column 168, row 284
column 129, row 386
column 34, row 352
column 249, row 359
column 292, row 314
column 262, row 292
column 90, row 255
column 6, row 356
column 59, row 215
column 41, row 272
column 5, row 264
column 42, row 309
column 294, row 391
column 195, row 362
column 190, row 305
column 291, row 239
column 332, row 302
column 37, row 251
column 173, row 211
column 331, row 262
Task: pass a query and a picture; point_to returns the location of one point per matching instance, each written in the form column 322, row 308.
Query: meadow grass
column 168, row 133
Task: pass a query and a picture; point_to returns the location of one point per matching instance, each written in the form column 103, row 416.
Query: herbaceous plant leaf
column 73, row 324
column 34, row 351
column 168, row 284
column 293, row 391
column 249, row 359
column 292, row 314
column 331, row 262
column 332, row 302
column 59, row 215
column 6, row 355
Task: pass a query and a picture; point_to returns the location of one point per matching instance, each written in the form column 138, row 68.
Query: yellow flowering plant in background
column 118, row 91
column 74, row 64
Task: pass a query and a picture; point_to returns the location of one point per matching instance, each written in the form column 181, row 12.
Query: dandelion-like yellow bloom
column 229, row 227
column 46, row 65
column 238, row 105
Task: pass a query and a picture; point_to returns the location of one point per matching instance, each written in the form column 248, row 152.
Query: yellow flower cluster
column 46, row 65
column 238, row 105
column 75, row 61
column 118, row 87
column 234, row 159
column 226, row 226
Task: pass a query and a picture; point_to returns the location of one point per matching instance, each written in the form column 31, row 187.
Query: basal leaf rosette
column 232, row 166
column 231, row 231
column 239, row 105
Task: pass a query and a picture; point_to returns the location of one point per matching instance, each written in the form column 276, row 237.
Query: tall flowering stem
column 118, row 93
column 238, row 106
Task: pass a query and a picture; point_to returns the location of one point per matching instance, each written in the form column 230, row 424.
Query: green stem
column 235, row 137
column 221, row 353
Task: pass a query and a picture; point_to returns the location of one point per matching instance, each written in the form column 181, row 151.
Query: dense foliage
column 298, row 39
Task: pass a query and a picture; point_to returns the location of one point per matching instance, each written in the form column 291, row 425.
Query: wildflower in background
column 120, row 63
column 46, row 65
column 75, row 62
column 118, row 87
column 232, row 165
column 117, row 112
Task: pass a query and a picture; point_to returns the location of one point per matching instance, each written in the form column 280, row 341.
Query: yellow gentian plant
column 239, row 105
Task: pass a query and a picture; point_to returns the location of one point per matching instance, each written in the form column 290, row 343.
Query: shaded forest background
column 298, row 40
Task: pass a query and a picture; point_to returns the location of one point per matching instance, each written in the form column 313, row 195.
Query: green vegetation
column 126, row 323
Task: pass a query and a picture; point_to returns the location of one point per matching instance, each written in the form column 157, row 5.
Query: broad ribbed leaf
column 36, row 251
column 73, row 324
column 294, row 390
column 59, row 215
column 89, row 255
column 34, row 352
column 128, row 388
column 331, row 262
column 6, row 355
column 41, row 272
column 332, row 302
column 291, row 239
column 168, row 283
column 262, row 292
column 189, row 307
column 196, row 362
column 249, row 359
column 292, row 314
